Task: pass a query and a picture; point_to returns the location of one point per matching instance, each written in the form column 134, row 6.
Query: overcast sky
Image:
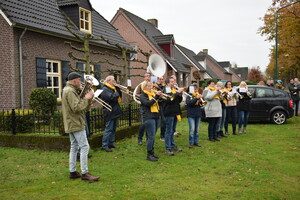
column 227, row 28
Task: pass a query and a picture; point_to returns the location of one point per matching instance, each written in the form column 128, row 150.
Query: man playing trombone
column 112, row 96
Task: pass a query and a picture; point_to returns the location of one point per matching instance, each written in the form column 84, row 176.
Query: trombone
column 101, row 101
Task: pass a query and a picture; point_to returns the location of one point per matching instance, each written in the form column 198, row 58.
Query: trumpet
column 224, row 92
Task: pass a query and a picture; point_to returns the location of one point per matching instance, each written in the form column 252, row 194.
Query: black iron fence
column 26, row 121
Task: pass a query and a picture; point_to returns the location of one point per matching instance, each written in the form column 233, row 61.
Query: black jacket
column 172, row 108
column 146, row 105
column 111, row 97
column 294, row 92
column 243, row 101
column 192, row 109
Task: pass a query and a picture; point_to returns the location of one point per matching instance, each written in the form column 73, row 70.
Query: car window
column 279, row 93
column 251, row 90
column 263, row 93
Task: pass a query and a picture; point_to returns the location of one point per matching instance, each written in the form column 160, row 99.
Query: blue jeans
column 162, row 123
column 231, row 113
column 212, row 127
column 151, row 128
column 175, row 124
column 79, row 140
column 221, row 122
column 194, row 123
column 142, row 127
column 109, row 135
column 169, row 135
column 243, row 118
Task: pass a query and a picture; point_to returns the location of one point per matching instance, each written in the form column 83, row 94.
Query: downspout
column 21, row 67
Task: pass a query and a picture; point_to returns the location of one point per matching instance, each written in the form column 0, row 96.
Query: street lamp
column 276, row 40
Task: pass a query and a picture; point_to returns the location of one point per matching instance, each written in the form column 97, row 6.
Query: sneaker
column 191, row 146
column 155, row 156
column 177, row 133
column 198, row 145
column 176, row 149
column 216, row 139
column 74, row 175
column 162, row 139
column 106, row 149
column 152, row 158
column 169, row 152
column 89, row 177
column 212, row 140
column 140, row 142
column 227, row 133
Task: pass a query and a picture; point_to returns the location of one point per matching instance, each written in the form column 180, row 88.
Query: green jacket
column 73, row 109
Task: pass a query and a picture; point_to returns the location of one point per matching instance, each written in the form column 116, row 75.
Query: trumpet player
column 161, row 84
column 243, row 106
column 147, row 78
column 172, row 112
column 193, row 105
column 231, row 109
column 213, row 109
column 223, row 99
column 112, row 96
column 73, row 109
column 149, row 103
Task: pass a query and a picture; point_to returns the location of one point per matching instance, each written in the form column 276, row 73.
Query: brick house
column 145, row 35
column 227, row 66
column 209, row 63
column 33, row 53
column 242, row 72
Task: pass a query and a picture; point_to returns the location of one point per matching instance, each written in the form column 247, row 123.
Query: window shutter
column 65, row 72
column 80, row 67
column 97, row 68
column 41, row 73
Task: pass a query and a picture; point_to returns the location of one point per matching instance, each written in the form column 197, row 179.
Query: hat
column 73, row 75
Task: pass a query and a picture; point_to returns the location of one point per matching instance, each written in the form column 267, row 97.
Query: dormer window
column 85, row 20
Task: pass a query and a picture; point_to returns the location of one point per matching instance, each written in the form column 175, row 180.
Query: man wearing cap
column 73, row 109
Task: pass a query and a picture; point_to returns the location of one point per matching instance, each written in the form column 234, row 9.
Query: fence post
column 129, row 114
column 13, row 121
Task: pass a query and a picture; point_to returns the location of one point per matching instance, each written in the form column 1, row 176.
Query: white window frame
column 55, row 74
column 86, row 29
column 92, row 69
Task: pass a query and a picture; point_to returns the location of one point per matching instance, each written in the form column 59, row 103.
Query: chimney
column 205, row 51
column 154, row 22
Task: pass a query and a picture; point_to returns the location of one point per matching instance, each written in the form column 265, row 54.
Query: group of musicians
column 160, row 106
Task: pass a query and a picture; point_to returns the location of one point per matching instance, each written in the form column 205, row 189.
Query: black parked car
column 269, row 103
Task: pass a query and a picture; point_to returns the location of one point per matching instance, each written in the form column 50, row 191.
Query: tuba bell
column 157, row 67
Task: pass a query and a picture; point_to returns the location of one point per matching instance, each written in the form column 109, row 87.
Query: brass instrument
column 123, row 88
column 87, row 86
column 101, row 101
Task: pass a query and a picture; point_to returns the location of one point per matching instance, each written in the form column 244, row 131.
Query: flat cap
column 73, row 75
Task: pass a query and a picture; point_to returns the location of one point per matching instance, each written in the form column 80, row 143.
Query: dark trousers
column 162, row 123
column 296, row 104
column 212, row 127
column 231, row 113
column 151, row 127
column 142, row 127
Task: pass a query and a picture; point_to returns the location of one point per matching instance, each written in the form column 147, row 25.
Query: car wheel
column 278, row 117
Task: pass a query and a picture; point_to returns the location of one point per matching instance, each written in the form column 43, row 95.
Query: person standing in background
column 294, row 90
column 243, row 106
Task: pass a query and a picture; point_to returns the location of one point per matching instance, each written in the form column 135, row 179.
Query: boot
column 155, row 156
column 219, row 134
column 89, row 177
column 151, row 157
column 244, row 130
column 240, row 131
column 234, row 131
column 222, row 134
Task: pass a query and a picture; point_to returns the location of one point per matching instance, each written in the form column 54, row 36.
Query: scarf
column 213, row 89
column 194, row 95
column 114, row 89
column 155, row 106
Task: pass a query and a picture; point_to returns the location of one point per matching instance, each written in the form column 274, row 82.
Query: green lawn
column 262, row 164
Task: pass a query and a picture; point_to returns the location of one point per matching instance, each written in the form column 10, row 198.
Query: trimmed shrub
column 43, row 100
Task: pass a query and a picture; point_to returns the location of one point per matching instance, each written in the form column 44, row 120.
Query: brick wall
column 8, row 66
column 133, row 36
column 34, row 45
